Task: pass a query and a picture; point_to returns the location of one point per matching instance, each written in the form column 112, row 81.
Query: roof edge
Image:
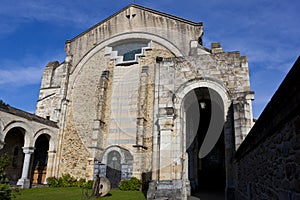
column 142, row 8
column 27, row 115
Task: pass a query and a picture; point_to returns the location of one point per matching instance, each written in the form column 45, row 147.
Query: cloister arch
column 28, row 131
column 13, row 147
column 19, row 133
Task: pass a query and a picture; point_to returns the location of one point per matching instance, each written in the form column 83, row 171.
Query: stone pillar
column 99, row 124
column 24, row 181
column 50, row 165
column 242, row 114
column 141, row 119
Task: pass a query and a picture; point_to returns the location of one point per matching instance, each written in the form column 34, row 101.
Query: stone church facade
column 139, row 95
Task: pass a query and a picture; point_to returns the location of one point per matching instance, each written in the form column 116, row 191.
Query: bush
column 66, row 180
column 53, row 182
column 81, row 183
column 5, row 191
column 130, row 185
column 89, row 184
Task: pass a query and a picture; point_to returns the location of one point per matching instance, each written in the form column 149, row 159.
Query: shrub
column 130, row 185
column 81, row 182
column 66, row 180
column 5, row 191
column 88, row 184
column 53, row 182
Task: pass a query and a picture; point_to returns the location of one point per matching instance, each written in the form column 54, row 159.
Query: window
column 128, row 51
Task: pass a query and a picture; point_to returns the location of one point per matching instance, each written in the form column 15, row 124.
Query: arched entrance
column 116, row 165
column 113, row 168
column 39, row 167
column 204, row 109
column 14, row 141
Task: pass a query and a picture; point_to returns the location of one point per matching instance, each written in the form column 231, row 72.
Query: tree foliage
column 3, row 104
column 5, row 191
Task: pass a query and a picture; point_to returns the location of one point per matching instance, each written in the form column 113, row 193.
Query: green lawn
column 73, row 194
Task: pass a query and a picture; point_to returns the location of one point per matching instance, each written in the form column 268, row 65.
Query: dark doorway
column 113, row 169
column 39, row 167
column 208, row 173
column 14, row 141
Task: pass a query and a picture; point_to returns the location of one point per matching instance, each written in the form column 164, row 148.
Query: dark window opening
column 130, row 49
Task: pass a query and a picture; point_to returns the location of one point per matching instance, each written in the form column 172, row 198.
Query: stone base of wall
column 170, row 189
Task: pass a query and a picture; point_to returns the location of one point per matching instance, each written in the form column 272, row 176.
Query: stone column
column 50, row 165
column 24, row 181
column 242, row 113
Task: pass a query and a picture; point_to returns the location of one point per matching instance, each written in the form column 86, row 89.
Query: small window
column 145, row 69
column 105, row 74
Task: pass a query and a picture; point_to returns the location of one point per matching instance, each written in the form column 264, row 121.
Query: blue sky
column 33, row 32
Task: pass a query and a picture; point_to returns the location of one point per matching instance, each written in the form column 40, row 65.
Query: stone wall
column 226, row 73
column 268, row 161
column 50, row 96
column 73, row 155
column 137, row 19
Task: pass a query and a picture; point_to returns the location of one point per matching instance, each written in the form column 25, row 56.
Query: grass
column 73, row 194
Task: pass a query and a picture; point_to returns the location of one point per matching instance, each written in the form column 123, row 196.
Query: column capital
column 2, row 144
column 28, row 150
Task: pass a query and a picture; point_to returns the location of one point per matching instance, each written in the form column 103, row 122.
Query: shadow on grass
column 108, row 195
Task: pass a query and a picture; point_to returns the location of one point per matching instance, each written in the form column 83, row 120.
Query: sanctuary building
column 137, row 95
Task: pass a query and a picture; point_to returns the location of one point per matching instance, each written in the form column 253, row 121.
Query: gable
column 137, row 19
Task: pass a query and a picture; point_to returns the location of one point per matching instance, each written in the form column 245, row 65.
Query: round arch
column 178, row 100
column 28, row 136
column 185, row 88
column 124, row 36
column 1, row 134
column 119, row 149
column 52, row 137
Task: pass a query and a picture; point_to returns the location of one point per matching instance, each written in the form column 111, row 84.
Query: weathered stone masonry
column 268, row 161
column 120, row 99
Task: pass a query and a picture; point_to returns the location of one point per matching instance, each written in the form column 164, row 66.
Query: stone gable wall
column 177, row 31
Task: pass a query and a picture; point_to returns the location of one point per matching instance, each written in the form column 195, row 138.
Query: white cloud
column 20, row 76
column 26, row 71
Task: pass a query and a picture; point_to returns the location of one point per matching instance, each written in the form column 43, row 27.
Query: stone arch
column 52, row 137
column 116, row 172
column 178, row 100
column 28, row 135
column 43, row 144
column 125, row 154
column 125, row 36
column 198, row 83
column 13, row 144
column 1, row 134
